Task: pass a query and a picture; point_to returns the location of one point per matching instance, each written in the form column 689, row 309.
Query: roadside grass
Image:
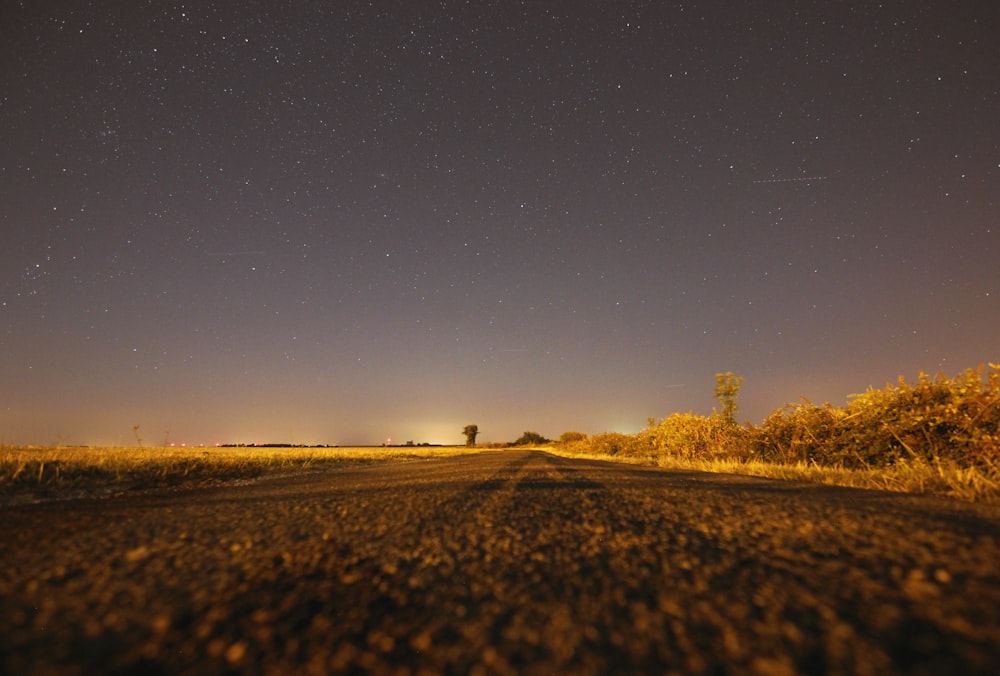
column 28, row 472
column 914, row 477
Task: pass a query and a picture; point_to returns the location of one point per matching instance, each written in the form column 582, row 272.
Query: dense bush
column 693, row 436
column 572, row 437
column 798, row 433
column 937, row 420
column 614, row 443
column 530, row 439
column 955, row 420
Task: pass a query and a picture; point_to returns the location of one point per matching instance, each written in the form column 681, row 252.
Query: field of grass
column 30, row 472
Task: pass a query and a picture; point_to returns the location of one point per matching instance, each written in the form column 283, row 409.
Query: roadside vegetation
column 28, row 473
column 938, row 435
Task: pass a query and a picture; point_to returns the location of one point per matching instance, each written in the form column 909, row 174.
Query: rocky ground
column 505, row 562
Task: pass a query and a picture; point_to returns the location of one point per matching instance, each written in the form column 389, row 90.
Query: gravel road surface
column 501, row 563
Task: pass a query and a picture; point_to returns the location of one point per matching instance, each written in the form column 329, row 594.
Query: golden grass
column 915, row 477
column 45, row 471
column 72, row 471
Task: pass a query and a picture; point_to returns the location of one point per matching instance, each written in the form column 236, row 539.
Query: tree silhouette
column 470, row 433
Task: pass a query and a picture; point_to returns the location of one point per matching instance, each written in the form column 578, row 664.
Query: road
column 501, row 562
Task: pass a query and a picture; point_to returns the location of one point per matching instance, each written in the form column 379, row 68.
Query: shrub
column 951, row 419
column 531, row 439
column 797, row 433
column 572, row 437
column 938, row 434
column 613, row 443
column 947, row 423
column 687, row 435
column 955, row 420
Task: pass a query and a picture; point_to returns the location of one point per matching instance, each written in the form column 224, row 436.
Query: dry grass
column 36, row 472
column 915, row 477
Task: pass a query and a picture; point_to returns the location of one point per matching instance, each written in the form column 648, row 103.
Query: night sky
column 343, row 222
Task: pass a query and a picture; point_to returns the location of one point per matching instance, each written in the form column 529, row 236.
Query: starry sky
column 347, row 222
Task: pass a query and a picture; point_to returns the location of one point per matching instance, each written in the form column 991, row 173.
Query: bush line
column 936, row 435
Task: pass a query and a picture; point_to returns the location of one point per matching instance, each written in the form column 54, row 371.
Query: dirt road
column 506, row 562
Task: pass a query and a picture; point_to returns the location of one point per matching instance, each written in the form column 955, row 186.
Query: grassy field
column 28, row 473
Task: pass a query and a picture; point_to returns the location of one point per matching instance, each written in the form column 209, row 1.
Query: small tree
column 727, row 386
column 470, row 433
